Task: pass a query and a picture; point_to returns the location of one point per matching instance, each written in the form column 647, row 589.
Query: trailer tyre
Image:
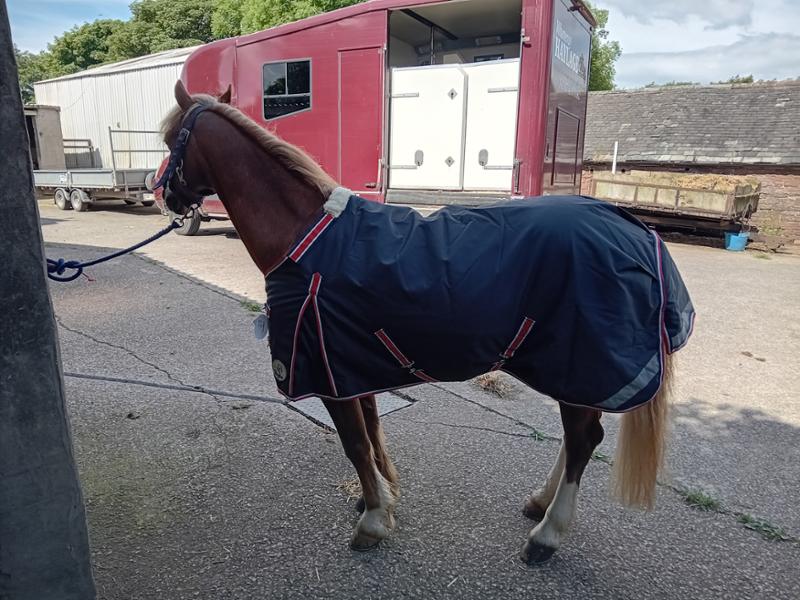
column 61, row 199
column 148, row 203
column 190, row 226
column 79, row 200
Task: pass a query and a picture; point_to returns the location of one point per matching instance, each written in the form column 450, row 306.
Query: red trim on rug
column 402, row 358
column 522, row 333
column 316, row 281
column 310, row 237
column 391, row 347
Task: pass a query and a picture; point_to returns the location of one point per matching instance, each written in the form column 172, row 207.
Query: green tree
column 739, row 79
column 672, row 83
column 605, row 53
column 246, row 16
column 157, row 25
column 83, row 46
column 32, row 67
column 226, row 20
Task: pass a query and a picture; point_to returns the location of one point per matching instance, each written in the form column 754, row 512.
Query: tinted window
column 275, row 79
column 287, row 88
column 299, row 75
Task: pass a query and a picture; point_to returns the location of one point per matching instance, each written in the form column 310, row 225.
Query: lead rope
column 56, row 268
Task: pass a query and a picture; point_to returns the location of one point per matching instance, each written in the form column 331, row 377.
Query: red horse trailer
column 466, row 101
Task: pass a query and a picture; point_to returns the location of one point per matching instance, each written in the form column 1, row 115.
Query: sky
column 665, row 40
column 34, row 23
column 704, row 40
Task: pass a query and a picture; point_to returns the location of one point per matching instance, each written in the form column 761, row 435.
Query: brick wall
column 778, row 206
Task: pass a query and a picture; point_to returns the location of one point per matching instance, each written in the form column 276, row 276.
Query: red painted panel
column 361, row 105
column 537, row 18
column 209, row 69
column 566, row 112
column 315, row 130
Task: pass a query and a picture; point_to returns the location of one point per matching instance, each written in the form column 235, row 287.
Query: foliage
column 261, row 14
column 83, row 46
column 673, row 83
column 226, row 20
column 158, row 25
column 605, row 53
column 31, row 67
column 739, row 79
column 701, row 501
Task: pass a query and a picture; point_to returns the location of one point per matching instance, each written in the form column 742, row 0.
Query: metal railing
column 136, row 143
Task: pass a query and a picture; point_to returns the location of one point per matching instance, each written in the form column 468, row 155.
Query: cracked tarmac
column 200, row 483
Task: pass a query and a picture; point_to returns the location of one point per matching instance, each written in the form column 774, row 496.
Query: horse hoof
column 534, row 554
column 532, row 510
column 361, row 505
column 362, row 542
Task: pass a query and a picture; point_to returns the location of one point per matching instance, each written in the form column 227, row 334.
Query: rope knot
column 57, row 268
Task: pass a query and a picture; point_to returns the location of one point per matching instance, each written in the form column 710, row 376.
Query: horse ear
column 182, row 96
column 225, row 97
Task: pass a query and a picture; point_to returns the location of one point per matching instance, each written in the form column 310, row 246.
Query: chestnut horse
column 273, row 193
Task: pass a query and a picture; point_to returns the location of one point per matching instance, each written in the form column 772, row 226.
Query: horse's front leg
column 377, row 520
column 582, row 434
column 369, row 408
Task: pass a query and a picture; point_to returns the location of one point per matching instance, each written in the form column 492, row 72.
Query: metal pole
column 614, row 160
column 44, row 547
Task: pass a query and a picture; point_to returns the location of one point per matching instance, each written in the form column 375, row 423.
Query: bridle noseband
column 176, row 157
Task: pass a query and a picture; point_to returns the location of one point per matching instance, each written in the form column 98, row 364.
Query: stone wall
column 779, row 204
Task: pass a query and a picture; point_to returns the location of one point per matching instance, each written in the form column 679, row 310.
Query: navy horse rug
column 571, row 295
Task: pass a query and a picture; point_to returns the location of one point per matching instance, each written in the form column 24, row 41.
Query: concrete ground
column 200, row 483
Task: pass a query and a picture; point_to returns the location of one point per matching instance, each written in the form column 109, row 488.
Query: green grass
column 253, row 307
column 765, row 528
column 701, row 500
column 601, row 456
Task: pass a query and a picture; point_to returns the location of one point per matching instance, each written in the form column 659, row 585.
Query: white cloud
column 719, row 14
column 765, row 56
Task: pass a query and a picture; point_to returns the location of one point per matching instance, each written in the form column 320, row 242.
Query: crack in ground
column 217, row 425
column 765, row 530
column 127, row 351
column 533, row 435
column 195, row 389
column 514, row 420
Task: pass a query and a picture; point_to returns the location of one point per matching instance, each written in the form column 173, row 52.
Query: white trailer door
column 491, row 125
column 427, row 127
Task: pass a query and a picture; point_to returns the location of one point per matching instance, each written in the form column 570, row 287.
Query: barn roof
column 718, row 124
column 159, row 59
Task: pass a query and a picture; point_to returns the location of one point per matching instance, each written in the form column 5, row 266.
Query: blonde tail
column 641, row 446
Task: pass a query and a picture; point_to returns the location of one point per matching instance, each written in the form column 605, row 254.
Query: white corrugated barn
column 131, row 96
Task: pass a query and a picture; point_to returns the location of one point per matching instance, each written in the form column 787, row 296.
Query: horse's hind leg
column 377, row 521
column 582, row 434
column 537, row 503
column 369, row 408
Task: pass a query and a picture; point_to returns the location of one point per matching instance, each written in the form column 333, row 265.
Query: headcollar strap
column 178, row 152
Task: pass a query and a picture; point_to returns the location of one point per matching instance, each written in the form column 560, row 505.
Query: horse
column 287, row 210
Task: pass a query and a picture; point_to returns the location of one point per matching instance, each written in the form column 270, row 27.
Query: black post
column 44, row 546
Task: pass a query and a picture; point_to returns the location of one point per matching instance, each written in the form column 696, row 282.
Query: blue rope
column 56, row 268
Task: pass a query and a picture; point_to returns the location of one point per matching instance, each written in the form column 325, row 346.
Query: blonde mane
column 289, row 155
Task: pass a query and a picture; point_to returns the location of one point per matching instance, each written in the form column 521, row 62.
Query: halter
column 178, row 153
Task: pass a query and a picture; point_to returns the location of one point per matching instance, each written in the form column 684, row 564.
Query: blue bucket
column 736, row 242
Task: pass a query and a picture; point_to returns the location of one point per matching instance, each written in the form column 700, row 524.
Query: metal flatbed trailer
column 80, row 187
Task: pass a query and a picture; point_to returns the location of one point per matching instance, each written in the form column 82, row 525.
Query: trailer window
column 287, row 88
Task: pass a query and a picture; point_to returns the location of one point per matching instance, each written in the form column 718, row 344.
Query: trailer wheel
column 61, row 199
column 148, row 203
column 190, row 226
column 79, row 200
